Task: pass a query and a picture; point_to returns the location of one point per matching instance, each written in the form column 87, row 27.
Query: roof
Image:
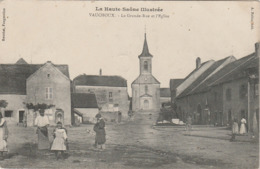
column 145, row 79
column 235, row 70
column 145, row 52
column 13, row 76
column 84, row 100
column 174, row 83
column 202, row 77
column 95, row 80
column 21, row 61
column 165, row 92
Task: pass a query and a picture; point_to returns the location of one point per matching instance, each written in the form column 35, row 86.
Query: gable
column 13, row 76
column 146, row 79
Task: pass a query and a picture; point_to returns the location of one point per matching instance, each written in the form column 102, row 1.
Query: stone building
column 219, row 97
column 146, row 88
column 47, row 83
column 85, row 105
column 111, row 91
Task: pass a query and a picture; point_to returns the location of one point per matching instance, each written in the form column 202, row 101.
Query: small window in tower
column 48, row 75
column 145, row 65
column 146, row 89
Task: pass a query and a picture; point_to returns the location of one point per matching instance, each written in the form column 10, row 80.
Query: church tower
column 146, row 88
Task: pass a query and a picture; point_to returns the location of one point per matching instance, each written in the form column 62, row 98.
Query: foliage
column 3, row 103
column 166, row 114
column 38, row 106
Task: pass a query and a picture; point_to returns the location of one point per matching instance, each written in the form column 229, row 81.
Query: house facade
column 146, row 88
column 110, row 91
column 217, row 97
column 23, row 83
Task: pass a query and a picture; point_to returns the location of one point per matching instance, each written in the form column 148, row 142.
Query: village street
column 136, row 144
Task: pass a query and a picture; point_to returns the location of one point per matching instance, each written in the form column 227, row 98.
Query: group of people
column 60, row 142
column 236, row 130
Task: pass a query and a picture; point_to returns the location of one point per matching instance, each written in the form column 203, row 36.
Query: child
column 60, row 140
column 234, row 130
column 3, row 136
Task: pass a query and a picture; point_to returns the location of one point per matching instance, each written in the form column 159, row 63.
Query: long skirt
column 243, row 129
column 100, row 136
column 43, row 140
column 3, row 143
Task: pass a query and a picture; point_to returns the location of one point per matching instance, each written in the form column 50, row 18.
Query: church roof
column 97, row 80
column 145, row 52
column 146, row 79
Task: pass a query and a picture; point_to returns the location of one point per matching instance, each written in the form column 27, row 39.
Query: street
column 136, row 144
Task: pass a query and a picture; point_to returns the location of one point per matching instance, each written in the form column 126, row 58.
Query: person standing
column 99, row 128
column 60, row 140
column 188, row 124
column 3, row 135
column 42, row 123
column 235, row 129
column 243, row 126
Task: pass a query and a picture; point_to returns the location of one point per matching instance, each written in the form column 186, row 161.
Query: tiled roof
column 84, row 100
column 95, row 80
column 165, row 92
column 235, row 70
column 174, row 83
column 204, row 75
column 13, row 76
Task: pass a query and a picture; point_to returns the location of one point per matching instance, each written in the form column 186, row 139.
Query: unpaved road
column 136, row 144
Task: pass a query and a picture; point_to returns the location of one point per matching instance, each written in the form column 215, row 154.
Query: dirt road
column 136, row 144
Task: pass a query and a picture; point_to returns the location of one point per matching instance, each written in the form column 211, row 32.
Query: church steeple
column 145, row 52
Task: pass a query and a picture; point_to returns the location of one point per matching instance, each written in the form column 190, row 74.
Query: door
column 59, row 116
column 21, row 116
column 146, row 104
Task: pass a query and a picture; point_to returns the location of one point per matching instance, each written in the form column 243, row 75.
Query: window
column 146, row 89
column 48, row 75
column 110, row 95
column 256, row 89
column 48, row 92
column 145, row 65
column 242, row 91
column 8, row 113
column 228, row 94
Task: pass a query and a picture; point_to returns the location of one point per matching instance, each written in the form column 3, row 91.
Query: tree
column 3, row 103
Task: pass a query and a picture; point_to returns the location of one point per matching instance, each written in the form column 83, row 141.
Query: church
column 146, row 88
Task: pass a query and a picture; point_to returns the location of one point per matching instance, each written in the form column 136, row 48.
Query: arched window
column 146, row 89
column 145, row 65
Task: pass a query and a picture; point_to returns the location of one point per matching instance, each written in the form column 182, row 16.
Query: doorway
column 146, row 104
column 59, row 116
column 21, row 116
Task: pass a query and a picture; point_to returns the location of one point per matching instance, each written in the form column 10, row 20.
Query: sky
column 64, row 33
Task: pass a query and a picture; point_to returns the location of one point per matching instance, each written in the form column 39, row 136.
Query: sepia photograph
column 129, row 84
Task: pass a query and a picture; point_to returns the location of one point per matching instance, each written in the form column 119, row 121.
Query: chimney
column 100, row 72
column 198, row 62
column 257, row 49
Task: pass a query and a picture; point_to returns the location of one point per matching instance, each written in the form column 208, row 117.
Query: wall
column 89, row 114
column 139, row 90
column 164, row 100
column 36, row 91
column 120, row 97
column 236, row 104
column 193, row 77
column 15, row 103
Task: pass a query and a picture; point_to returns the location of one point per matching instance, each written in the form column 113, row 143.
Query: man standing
column 42, row 123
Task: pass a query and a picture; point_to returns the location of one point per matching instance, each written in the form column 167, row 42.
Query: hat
column 98, row 115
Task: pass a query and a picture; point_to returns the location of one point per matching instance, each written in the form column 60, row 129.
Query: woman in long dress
column 243, row 126
column 99, row 128
column 42, row 123
column 3, row 135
